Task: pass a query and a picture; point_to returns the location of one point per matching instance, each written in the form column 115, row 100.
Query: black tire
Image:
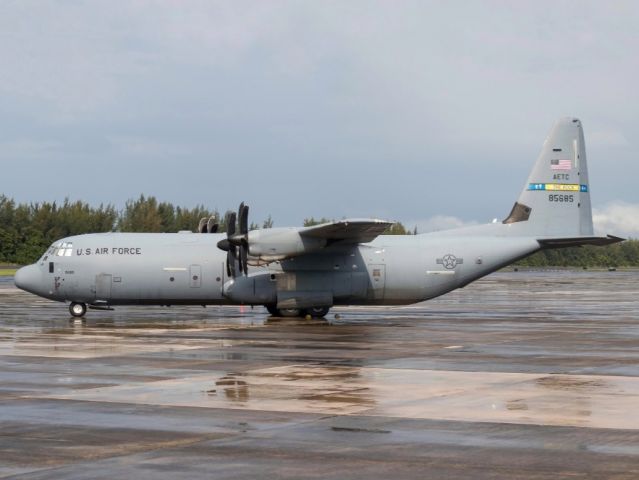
column 317, row 312
column 272, row 309
column 290, row 312
column 77, row 309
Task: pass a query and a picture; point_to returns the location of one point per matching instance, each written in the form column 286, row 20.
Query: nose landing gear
column 77, row 310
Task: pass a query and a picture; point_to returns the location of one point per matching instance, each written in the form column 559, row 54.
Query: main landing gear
column 315, row 312
column 78, row 309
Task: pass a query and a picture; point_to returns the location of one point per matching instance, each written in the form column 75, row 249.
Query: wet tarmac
column 520, row 375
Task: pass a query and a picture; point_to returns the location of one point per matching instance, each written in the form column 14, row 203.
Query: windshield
column 60, row 249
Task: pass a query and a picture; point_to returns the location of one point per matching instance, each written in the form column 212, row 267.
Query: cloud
column 617, row 218
column 607, row 138
column 393, row 109
column 27, row 149
column 139, row 147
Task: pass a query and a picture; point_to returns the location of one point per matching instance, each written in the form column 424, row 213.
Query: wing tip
column 363, row 220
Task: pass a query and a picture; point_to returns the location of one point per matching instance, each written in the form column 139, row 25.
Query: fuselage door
column 377, row 275
column 195, row 279
column 103, row 286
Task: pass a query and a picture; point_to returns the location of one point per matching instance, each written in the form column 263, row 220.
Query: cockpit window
column 63, row 249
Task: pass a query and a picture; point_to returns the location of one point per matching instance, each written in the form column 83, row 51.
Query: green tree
column 624, row 254
column 309, row 222
column 268, row 223
column 189, row 219
column 8, row 231
column 26, row 230
column 166, row 211
column 397, row 229
column 141, row 215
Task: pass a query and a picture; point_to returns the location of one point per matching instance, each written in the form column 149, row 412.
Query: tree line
column 624, row 254
column 26, row 230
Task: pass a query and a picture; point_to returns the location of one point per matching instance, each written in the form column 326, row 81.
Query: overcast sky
column 431, row 113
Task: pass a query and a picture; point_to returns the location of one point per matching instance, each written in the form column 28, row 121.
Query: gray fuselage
column 188, row 268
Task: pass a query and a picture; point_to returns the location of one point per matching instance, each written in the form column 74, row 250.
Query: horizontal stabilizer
column 347, row 231
column 577, row 241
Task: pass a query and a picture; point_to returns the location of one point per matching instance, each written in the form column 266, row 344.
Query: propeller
column 243, row 237
column 231, row 256
column 207, row 225
column 235, row 241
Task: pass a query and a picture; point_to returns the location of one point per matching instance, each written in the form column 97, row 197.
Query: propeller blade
column 211, row 225
column 231, row 258
column 233, row 240
column 241, row 239
column 230, row 225
column 243, row 218
column 244, row 257
column 229, row 262
column 201, row 228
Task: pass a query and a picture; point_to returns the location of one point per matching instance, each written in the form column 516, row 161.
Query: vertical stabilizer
column 555, row 200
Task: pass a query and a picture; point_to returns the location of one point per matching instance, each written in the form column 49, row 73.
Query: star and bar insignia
column 450, row 261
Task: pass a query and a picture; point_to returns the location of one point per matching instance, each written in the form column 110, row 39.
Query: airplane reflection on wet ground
column 522, row 374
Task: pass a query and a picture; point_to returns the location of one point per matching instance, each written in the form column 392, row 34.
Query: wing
column 275, row 244
column 352, row 230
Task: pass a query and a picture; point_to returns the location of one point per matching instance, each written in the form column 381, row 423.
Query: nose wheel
column 77, row 310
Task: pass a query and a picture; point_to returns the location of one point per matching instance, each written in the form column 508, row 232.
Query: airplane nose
column 28, row 278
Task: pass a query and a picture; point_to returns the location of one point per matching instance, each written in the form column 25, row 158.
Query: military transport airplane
column 305, row 271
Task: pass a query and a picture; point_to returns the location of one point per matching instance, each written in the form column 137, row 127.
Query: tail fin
column 555, row 201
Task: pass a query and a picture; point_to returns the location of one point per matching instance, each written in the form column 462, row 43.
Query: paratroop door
column 377, row 275
column 103, row 286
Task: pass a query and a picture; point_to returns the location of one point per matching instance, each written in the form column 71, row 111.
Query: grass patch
column 7, row 272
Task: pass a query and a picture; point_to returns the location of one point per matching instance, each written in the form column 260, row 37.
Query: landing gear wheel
column 77, row 309
column 272, row 309
column 290, row 312
column 317, row 312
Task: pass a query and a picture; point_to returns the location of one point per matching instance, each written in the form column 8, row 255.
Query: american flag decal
column 557, row 164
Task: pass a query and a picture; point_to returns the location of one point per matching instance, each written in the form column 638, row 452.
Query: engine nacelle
column 278, row 243
column 257, row 289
